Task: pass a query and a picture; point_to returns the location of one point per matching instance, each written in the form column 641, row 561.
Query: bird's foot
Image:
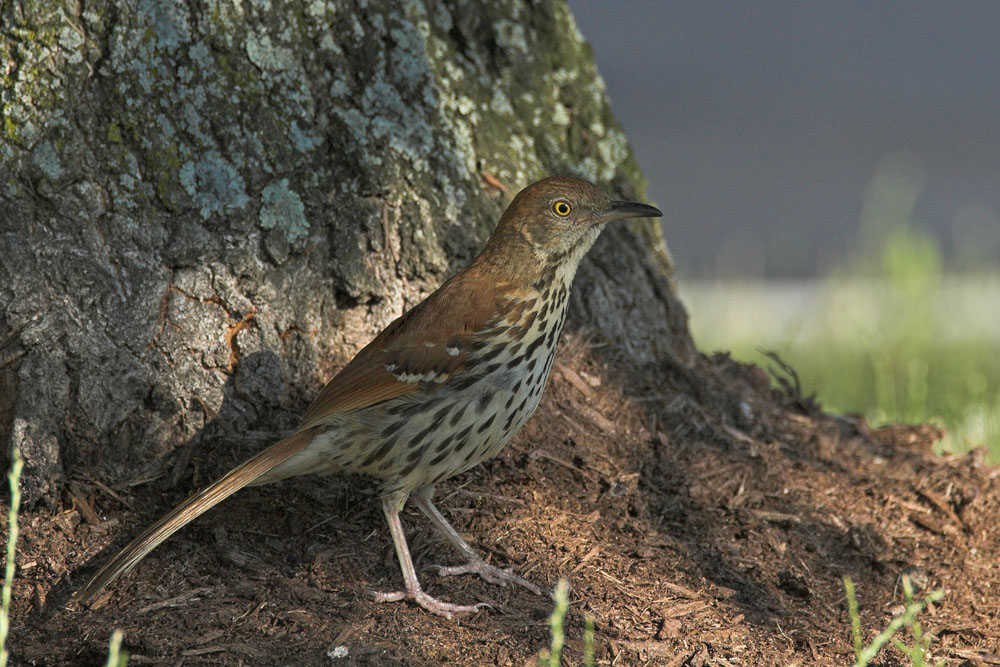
column 490, row 573
column 430, row 603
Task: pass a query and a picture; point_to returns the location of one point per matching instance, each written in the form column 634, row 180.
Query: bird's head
column 557, row 219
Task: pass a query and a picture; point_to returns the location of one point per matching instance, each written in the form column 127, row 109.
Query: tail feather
column 244, row 474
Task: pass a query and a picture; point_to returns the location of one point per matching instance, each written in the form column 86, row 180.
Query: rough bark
column 206, row 207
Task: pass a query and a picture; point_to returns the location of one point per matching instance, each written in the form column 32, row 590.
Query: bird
column 442, row 388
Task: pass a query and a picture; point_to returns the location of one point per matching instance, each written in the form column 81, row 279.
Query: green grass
column 8, row 580
column 954, row 385
column 552, row 657
column 917, row 653
column 116, row 656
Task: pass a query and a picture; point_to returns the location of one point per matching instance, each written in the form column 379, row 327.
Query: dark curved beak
column 628, row 209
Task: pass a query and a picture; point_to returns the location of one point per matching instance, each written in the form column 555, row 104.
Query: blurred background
column 830, row 179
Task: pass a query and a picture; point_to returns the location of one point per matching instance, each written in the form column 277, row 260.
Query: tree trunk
column 207, row 207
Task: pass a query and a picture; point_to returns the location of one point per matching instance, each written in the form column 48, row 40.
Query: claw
column 490, row 573
column 430, row 603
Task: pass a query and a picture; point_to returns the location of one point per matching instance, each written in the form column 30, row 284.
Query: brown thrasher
column 442, row 388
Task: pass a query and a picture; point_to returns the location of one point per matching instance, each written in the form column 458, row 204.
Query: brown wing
column 427, row 344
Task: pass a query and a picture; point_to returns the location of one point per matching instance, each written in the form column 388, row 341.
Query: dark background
column 759, row 125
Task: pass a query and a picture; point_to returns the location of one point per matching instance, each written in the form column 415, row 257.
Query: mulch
column 703, row 516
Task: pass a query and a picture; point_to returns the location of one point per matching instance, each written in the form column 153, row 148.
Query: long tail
column 244, row 474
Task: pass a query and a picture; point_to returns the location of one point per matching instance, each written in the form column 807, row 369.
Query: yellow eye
column 561, row 208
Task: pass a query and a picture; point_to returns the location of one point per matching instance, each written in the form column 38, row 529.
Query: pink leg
column 475, row 565
column 412, row 590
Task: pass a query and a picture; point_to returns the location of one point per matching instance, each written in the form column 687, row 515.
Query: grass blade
column 852, row 611
column 556, row 623
column 8, row 580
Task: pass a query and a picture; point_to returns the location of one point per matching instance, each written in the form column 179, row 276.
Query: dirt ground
column 701, row 517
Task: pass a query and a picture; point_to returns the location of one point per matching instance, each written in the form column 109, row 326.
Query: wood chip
column 930, row 524
column 245, row 649
column 776, row 517
column 597, row 419
column 684, row 609
column 542, row 454
column 574, row 379
column 76, row 493
column 114, row 494
column 979, row 656
column 202, row 651
column 100, row 601
column 590, row 554
column 942, row 505
column 209, row 637
column 680, row 590
column 669, row 629
column 179, row 601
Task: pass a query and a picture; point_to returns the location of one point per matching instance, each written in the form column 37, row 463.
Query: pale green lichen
column 327, row 44
column 465, row 105
column 500, row 105
column 10, row 189
column 10, row 128
column 170, row 21
column 201, row 56
column 559, row 115
column 203, row 101
column 386, row 119
column 303, row 140
column 318, row 9
column 265, row 54
column 282, row 208
column 47, row 160
column 408, row 59
column 339, row 88
column 511, row 35
column 613, row 150
column 71, row 40
column 214, row 185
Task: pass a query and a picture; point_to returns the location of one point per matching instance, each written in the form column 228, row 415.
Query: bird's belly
column 456, row 428
column 477, row 424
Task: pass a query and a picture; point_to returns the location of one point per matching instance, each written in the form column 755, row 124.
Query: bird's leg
column 475, row 564
column 412, row 591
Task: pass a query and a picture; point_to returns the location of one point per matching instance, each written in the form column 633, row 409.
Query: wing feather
column 423, row 347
